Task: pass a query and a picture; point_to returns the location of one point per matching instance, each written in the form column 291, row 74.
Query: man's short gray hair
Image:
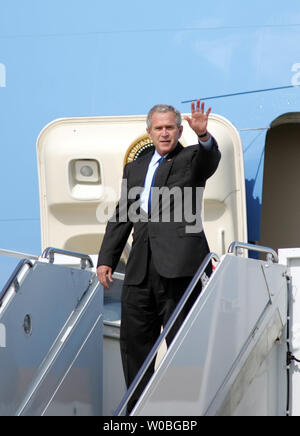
column 163, row 108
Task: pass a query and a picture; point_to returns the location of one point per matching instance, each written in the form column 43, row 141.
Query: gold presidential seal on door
column 138, row 148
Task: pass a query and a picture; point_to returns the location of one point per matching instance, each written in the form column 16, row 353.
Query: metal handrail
column 17, row 254
column 13, row 280
column 49, row 252
column 168, row 326
column 269, row 251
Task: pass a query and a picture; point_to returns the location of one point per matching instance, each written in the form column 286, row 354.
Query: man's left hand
column 199, row 118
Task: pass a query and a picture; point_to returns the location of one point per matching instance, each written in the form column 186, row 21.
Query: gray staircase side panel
column 226, row 322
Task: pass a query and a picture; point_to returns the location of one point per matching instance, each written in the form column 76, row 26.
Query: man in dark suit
column 161, row 200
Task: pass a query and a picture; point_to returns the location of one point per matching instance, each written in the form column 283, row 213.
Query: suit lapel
column 163, row 172
column 141, row 169
column 165, row 167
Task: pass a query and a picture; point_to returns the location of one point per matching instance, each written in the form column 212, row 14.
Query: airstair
column 59, row 351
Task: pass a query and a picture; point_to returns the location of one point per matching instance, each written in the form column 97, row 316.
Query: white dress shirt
column 148, row 181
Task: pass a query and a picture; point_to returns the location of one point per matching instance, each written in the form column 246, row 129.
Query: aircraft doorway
column 280, row 217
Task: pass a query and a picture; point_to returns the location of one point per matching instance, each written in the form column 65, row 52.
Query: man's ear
column 149, row 133
column 180, row 131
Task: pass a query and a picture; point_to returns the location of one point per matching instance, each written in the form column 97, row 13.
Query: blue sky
column 78, row 58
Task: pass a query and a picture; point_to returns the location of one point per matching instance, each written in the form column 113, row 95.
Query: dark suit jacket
column 175, row 252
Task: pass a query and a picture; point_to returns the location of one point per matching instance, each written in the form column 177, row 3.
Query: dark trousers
column 145, row 308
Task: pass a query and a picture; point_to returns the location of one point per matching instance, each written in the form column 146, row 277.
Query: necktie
column 152, row 184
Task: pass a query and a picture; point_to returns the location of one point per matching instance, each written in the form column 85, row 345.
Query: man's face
column 164, row 132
